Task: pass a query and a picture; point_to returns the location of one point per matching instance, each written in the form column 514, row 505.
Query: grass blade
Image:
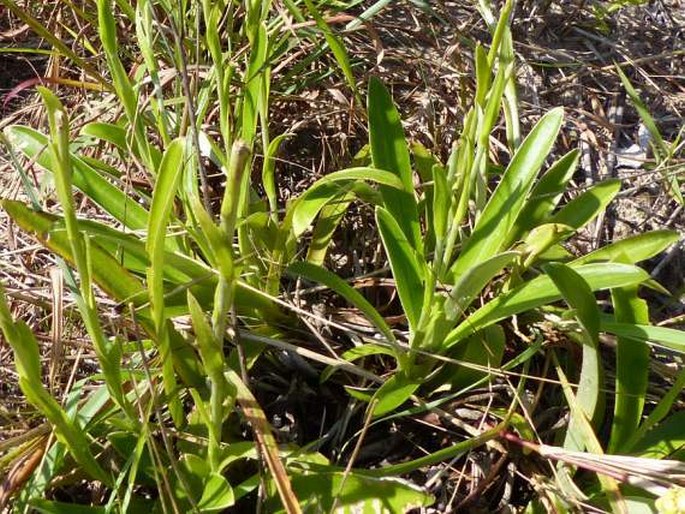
column 326, row 189
column 336, row 47
column 632, row 249
column 27, row 359
column 168, row 178
column 474, row 280
column 585, row 207
column 117, row 203
column 328, row 221
column 545, row 195
column 321, row 275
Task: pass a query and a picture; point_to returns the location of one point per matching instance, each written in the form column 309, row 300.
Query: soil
column 565, row 53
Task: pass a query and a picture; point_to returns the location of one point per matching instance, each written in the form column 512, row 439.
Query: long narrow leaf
column 542, row 291
column 117, row 203
column 27, row 359
column 632, row 249
column 500, row 213
column 405, row 266
column 389, row 152
column 578, row 295
column 585, row 207
column 632, row 368
column 331, row 280
column 545, row 194
column 168, row 178
column 324, row 190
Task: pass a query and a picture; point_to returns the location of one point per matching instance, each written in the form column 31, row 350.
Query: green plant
column 503, row 247
column 199, row 292
column 170, row 258
column 664, row 151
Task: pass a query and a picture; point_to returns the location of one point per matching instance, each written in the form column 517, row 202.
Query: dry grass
column 565, row 58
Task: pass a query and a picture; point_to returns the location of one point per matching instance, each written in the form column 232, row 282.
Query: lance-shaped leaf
column 579, row 297
column 502, row 210
column 632, row 368
column 316, row 273
column 389, row 151
column 85, row 178
column 632, row 249
column 27, row 359
column 168, row 178
column 473, row 281
column 542, row 291
column 404, row 264
column 585, row 207
column 545, row 195
column 330, row 187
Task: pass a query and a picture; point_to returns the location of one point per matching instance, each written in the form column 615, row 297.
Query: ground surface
column 566, row 54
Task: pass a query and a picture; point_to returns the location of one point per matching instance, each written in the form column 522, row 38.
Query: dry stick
column 266, row 443
column 162, row 431
column 21, row 471
column 190, row 111
column 355, row 452
column 57, row 326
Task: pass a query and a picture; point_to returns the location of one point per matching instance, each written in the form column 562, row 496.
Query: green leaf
column 323, row 490
column 211, row 350
column 217, row 494
column 321, row 275
column 632, row 249
column 49, row 230
column 441, row 202
column 268, row 173
column 643, row 112
column 663, row 336
column 255, row 83
column 471, row 283
column 109, row 132
column 126, row 93
column 328, row 188
column 27, row 359
column 404, row 264
column 545, row 195
column 666, row 441
column 393, row 393
column 632, row 369
column 542, row 291
column 336, row 45
column 85, row 178
column 660, row 411
column 485, row 349
column 53, row 507
column 358, row 352
column 502, row 210
column 389, row 152
column 662, row 149
column 168, row 178
column 585, row 207
column 579, row 297
column 542, row 239
column 328, row 221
